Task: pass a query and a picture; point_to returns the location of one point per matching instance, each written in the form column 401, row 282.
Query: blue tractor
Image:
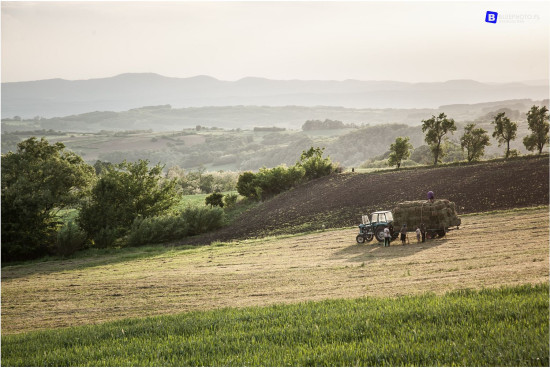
column 374, row 227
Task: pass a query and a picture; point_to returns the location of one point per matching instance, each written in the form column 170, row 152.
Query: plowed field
column 340, row 200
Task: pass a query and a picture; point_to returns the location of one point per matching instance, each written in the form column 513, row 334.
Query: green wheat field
column 507, row 326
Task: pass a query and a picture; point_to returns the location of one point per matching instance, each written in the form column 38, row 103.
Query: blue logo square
column 491, row 17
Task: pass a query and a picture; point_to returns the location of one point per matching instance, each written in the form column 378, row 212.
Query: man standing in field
column 423, row 232
column 387, row 236
column 403, row 233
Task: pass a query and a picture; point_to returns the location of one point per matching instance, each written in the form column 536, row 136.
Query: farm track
column 489, row 250
column 339, row 200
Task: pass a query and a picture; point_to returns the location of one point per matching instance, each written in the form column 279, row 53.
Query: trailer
column 437, row 216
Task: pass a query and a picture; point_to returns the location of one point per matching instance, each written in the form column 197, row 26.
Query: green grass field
column 491, row 327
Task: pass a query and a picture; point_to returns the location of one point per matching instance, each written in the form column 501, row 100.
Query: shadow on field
column 369, row 251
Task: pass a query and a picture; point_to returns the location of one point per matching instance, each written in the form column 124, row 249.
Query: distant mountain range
column 59, row 97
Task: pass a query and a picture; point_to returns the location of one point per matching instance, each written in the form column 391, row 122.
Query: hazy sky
column 405, row 41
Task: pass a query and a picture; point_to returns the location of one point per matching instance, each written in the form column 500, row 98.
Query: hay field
column 501, row 248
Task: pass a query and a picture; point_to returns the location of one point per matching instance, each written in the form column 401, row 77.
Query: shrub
column 157, row 229
column 230, row 200
column 70, row 238
column 105, row 237
column 269, row 182
column 202, row 219
column 314, row 164
column 245, row 185
column 214, row 199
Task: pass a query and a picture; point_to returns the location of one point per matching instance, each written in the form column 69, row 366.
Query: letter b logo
column 491, row 17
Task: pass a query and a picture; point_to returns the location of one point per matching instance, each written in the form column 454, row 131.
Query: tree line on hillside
column 269, row 182
column 326, row 124
column 125, row 204
column 474, row 140
column 247, row 150
column 120, row 205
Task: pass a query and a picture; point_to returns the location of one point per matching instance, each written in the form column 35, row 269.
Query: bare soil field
column 489, row 250
column 339, row 200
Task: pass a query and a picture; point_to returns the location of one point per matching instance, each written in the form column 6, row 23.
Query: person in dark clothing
column 423, row 232
column 403, row 233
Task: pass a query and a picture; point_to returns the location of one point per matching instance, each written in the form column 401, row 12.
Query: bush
column 230, row 200
column 105, row 237
column 314, row 164
column 70, row 238
column 203, row 219
column 246, row 186
column 214, row 199
column 157, row 229
column 269, row 182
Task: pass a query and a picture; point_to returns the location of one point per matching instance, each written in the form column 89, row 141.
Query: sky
column 309, row 40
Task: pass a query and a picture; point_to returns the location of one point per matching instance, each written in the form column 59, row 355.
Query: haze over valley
column 59, row 97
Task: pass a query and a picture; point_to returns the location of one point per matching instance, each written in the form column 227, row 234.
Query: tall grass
column 498, row 327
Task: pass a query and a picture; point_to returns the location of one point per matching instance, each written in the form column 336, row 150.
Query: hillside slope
column 340, row 200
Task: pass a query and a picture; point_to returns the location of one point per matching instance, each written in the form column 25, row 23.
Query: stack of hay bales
column 439, row 214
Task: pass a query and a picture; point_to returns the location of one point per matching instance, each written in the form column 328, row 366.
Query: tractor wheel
column 369, row 237
column 379, row 233
column 441, row 233
column 360, row 239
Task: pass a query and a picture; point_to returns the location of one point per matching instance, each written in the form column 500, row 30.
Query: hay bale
column 439, row 214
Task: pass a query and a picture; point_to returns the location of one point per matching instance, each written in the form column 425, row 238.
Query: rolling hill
column 59, row 97
column 339, row 200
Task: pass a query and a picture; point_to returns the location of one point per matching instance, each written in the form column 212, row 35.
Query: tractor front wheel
column 360, row 239
column 369, row 237
column 379, row 233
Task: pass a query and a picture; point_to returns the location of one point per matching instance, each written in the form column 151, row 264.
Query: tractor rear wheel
column 379, row 233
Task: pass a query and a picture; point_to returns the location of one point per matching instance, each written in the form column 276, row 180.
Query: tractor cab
column 381, row 217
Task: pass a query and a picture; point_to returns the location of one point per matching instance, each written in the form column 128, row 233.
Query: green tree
column 505, row 131
column 246, row 185
column 125, row 192
column 314, row 164
column 38, row 180
column 214, row 199
column 101, row 166
column 436, row 128
column 474, row 141
column 400, row 150
column 537, row 118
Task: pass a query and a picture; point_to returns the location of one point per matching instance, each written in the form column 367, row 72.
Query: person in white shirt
column 387, row 236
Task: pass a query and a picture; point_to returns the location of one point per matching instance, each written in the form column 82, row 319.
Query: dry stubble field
column 503, row 248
